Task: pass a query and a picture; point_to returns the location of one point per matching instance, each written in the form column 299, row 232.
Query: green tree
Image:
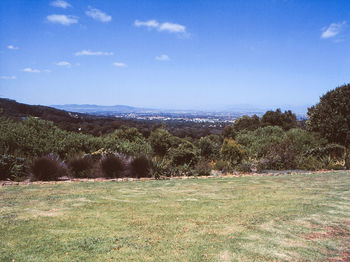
column 249, row 123
column 231, row 151
column 209, row 146
column 160, row 140
column 184, row 153
column 331, row 117
column 286, row 120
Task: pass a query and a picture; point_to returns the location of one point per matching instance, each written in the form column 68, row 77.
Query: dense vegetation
column 44, row 151
column 101, row 125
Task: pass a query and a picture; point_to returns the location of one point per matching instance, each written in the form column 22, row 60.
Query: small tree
column 331, row 117
column 160, row 140
column 209, row 146
column 231, row 151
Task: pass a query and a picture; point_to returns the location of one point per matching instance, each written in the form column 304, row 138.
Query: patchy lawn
column 281, row 218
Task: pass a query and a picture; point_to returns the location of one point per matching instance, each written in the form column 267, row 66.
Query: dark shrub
column 48, row 168
column 112, row 166
column 80, row 167
column 141, row 167
column 203, row 168
column 12, row 168
column 244, row 167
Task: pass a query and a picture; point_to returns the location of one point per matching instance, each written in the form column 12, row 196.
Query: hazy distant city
column 197, row 116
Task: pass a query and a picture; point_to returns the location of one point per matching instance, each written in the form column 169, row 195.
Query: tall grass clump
column 48, row 168
column 141, row 167
column 112, row 166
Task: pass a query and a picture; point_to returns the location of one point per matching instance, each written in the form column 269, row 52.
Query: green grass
column 281, row 218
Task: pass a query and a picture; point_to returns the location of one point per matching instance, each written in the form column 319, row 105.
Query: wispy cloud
column 162, row 27
column 98, row 15
column 47, row 71
column 172, row 28
column 11, row 47
column 162, row 58
column 60, row 4
column 149, row 24
column 63, row 63
column 91, row 53
column 62, row 19
column 8, row 77
column 31, row 70
column 119, row 64
column 332, row 30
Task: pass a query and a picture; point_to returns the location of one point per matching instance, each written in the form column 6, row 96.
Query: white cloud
column 63, row 63
column 166, row 26
column 149, row 23
column 8, row 77
column 119, row 64
column 61, row 4
column 31, row 70
column 12, row 47
column 332, row 30
column 62, row 19
column 162, row 58
column 47, row 71
column 172, row 28
column 91, row 53
column 98, row 15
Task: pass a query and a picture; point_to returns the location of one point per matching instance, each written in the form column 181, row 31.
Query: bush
column 281, row 156
column 244, row 168
column 203, row 168
column 257, row 143
column 162, row 167
column 48, row 168
column 33, row 137
column 232, row 152
column 80, row 167
column 336, row 166
column 112, row 166
column 141, row 167
column 209, row 146
column 160, row 141
column 12, row 168
column 310, row 163
column 221, row 166
column 184, row 170
column 185, row 153
column 330, row 150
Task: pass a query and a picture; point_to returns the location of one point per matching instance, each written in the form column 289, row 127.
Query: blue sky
column 173, row 54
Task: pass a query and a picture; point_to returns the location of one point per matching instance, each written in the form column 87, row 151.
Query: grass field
column 280, row 218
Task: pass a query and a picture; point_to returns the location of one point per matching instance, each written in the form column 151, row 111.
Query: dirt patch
column 341, row 233
column 330, row 232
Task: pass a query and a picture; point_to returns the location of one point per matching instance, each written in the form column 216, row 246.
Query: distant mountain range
column 97, row 109
column 124, row 109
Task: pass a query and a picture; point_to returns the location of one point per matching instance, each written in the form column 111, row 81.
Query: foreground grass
column 284, row 218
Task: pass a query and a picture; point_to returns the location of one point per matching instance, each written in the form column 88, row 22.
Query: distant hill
column 100, row 110
column 71, row 121
column 99, row 124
